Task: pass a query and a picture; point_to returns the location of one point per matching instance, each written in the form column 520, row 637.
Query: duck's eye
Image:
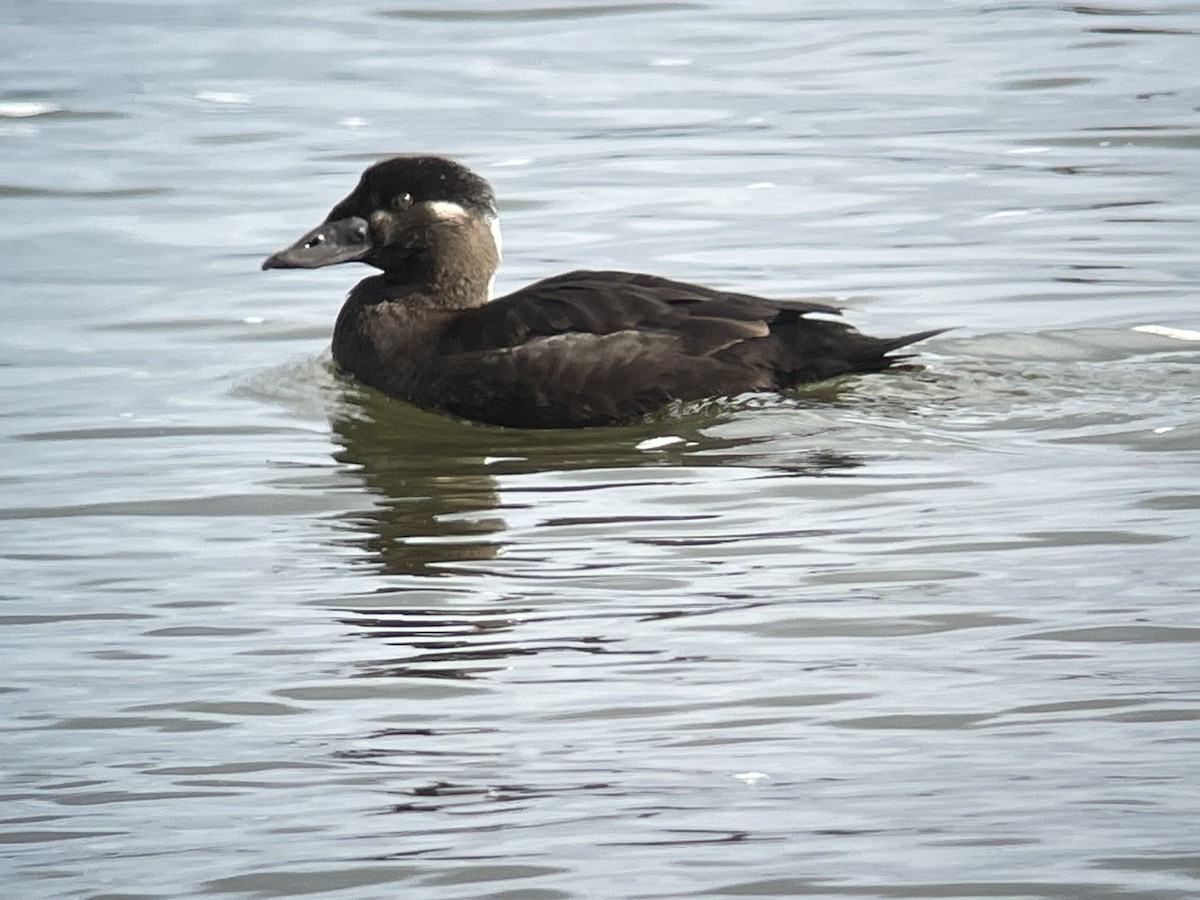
column 402, row 202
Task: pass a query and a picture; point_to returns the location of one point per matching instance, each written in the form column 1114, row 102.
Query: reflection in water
column 434, row 495
column 435, row 478
column 439, row 506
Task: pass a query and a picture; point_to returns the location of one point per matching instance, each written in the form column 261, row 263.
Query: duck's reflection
column 439, row 512
column 435, row 479
column 434, row 494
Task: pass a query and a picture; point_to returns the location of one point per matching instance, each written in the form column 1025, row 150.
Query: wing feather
column 577, row 378
column 607, row 302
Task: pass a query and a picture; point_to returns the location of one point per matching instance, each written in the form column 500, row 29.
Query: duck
column 581, row 349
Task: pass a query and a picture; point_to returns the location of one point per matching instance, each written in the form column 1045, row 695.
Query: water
column 928, row 634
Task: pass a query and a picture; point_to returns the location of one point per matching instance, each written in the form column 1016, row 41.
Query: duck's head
column 414, row 217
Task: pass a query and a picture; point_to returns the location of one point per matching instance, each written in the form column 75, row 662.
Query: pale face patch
column 451, row 211
column 446, row 209
column 494, row 225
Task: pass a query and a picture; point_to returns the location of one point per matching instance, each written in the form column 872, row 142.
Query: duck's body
column 584, row 348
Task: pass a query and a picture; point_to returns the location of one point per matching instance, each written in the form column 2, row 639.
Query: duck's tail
column 881, row 347
column 807, row 350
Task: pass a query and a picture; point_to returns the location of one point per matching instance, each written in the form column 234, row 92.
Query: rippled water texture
column 926, row 634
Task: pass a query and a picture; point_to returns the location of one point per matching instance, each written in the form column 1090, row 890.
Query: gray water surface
column 931, row 633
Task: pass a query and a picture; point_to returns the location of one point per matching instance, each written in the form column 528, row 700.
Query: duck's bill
column 345, row 240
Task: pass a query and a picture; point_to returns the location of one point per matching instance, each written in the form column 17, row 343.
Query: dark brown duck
column 584, row 348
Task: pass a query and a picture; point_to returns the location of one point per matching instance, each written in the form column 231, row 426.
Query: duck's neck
column 453, row 268
column 457, row 281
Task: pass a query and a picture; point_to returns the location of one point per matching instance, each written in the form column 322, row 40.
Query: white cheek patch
column 449, row 211
column 494, row 225
column 446, row 209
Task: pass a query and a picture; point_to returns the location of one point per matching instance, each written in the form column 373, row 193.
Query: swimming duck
column 580, row 349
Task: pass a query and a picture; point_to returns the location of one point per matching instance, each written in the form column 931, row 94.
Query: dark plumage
column 584, row 348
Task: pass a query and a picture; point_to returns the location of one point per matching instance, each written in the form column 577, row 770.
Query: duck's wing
column 706, row 301
column 575, row 379
column 598, row 303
